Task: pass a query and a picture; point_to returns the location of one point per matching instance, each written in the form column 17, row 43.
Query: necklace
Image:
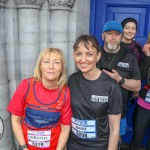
column 111, row 61
column 108, row 60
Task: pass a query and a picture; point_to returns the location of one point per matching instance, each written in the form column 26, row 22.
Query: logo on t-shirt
column 101, row 99
column 1, row 127
column 123, row 65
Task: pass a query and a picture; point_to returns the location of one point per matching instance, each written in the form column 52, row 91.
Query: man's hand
column 114, row 74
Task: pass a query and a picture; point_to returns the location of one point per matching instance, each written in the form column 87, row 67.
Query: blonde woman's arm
column 63, row 138
column 17, row 129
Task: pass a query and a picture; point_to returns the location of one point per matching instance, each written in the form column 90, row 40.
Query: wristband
column 23, row 146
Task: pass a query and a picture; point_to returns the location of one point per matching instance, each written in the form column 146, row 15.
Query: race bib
column 84, row 128
column 39, row 139
column 147, row 98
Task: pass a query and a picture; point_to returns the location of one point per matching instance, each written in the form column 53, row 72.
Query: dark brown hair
column 126, row 20
column 87, row 40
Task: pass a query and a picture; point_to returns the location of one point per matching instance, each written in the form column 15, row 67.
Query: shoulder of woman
column 74, row 75
column 137, row 44
column 25, row 83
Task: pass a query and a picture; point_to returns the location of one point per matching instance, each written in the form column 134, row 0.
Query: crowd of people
column 88, row 110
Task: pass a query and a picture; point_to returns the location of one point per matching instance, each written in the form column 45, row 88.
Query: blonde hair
column 148, row 41
column 37, row 72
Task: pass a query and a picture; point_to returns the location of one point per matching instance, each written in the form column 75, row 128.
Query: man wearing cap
column 119, row 63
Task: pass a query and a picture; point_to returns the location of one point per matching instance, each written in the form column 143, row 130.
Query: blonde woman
column 40, row 107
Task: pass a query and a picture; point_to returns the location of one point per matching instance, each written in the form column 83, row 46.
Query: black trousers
column 141, row 124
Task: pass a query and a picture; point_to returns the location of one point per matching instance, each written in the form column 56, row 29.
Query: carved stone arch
column 29, row 3
column 2, row 3
column 61, row 4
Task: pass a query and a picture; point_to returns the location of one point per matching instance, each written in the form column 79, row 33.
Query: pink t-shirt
column 143, row 104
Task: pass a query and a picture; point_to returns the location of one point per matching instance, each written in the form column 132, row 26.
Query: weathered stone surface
column 2, row 2
column 62, row 4
column 29, row 3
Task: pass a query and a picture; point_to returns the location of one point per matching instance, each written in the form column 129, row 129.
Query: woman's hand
column 17, row 129
column 146, row 49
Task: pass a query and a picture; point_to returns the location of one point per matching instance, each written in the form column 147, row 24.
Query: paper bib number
column 84, row 128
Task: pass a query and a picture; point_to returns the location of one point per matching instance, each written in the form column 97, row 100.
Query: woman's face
column 86, row 59
column 51, row 67
column 129, row 31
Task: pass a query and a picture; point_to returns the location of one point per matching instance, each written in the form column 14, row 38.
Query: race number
column 84, row 128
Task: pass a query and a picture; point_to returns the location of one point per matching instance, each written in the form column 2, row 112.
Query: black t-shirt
column 127, row 67
column 92, row 101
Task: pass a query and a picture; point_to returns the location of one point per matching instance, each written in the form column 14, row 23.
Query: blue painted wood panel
column 107, row 10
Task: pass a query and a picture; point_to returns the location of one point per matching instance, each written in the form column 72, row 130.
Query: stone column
column 6, row 141
column 59, row 27
column 12, row 50
column 29, row 13
column 44, row 26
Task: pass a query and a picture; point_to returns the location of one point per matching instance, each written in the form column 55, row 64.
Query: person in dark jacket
column 142, row 116
column 130, row 27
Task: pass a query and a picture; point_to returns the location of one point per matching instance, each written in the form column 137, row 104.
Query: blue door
column 107, row 10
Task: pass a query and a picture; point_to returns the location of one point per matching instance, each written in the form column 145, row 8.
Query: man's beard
column 112, row 47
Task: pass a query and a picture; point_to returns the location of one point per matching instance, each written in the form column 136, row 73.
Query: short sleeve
column 17, row 103
column 115, row 100
column 66, row 111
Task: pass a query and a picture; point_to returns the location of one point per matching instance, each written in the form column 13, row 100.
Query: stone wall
column 27, row 27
